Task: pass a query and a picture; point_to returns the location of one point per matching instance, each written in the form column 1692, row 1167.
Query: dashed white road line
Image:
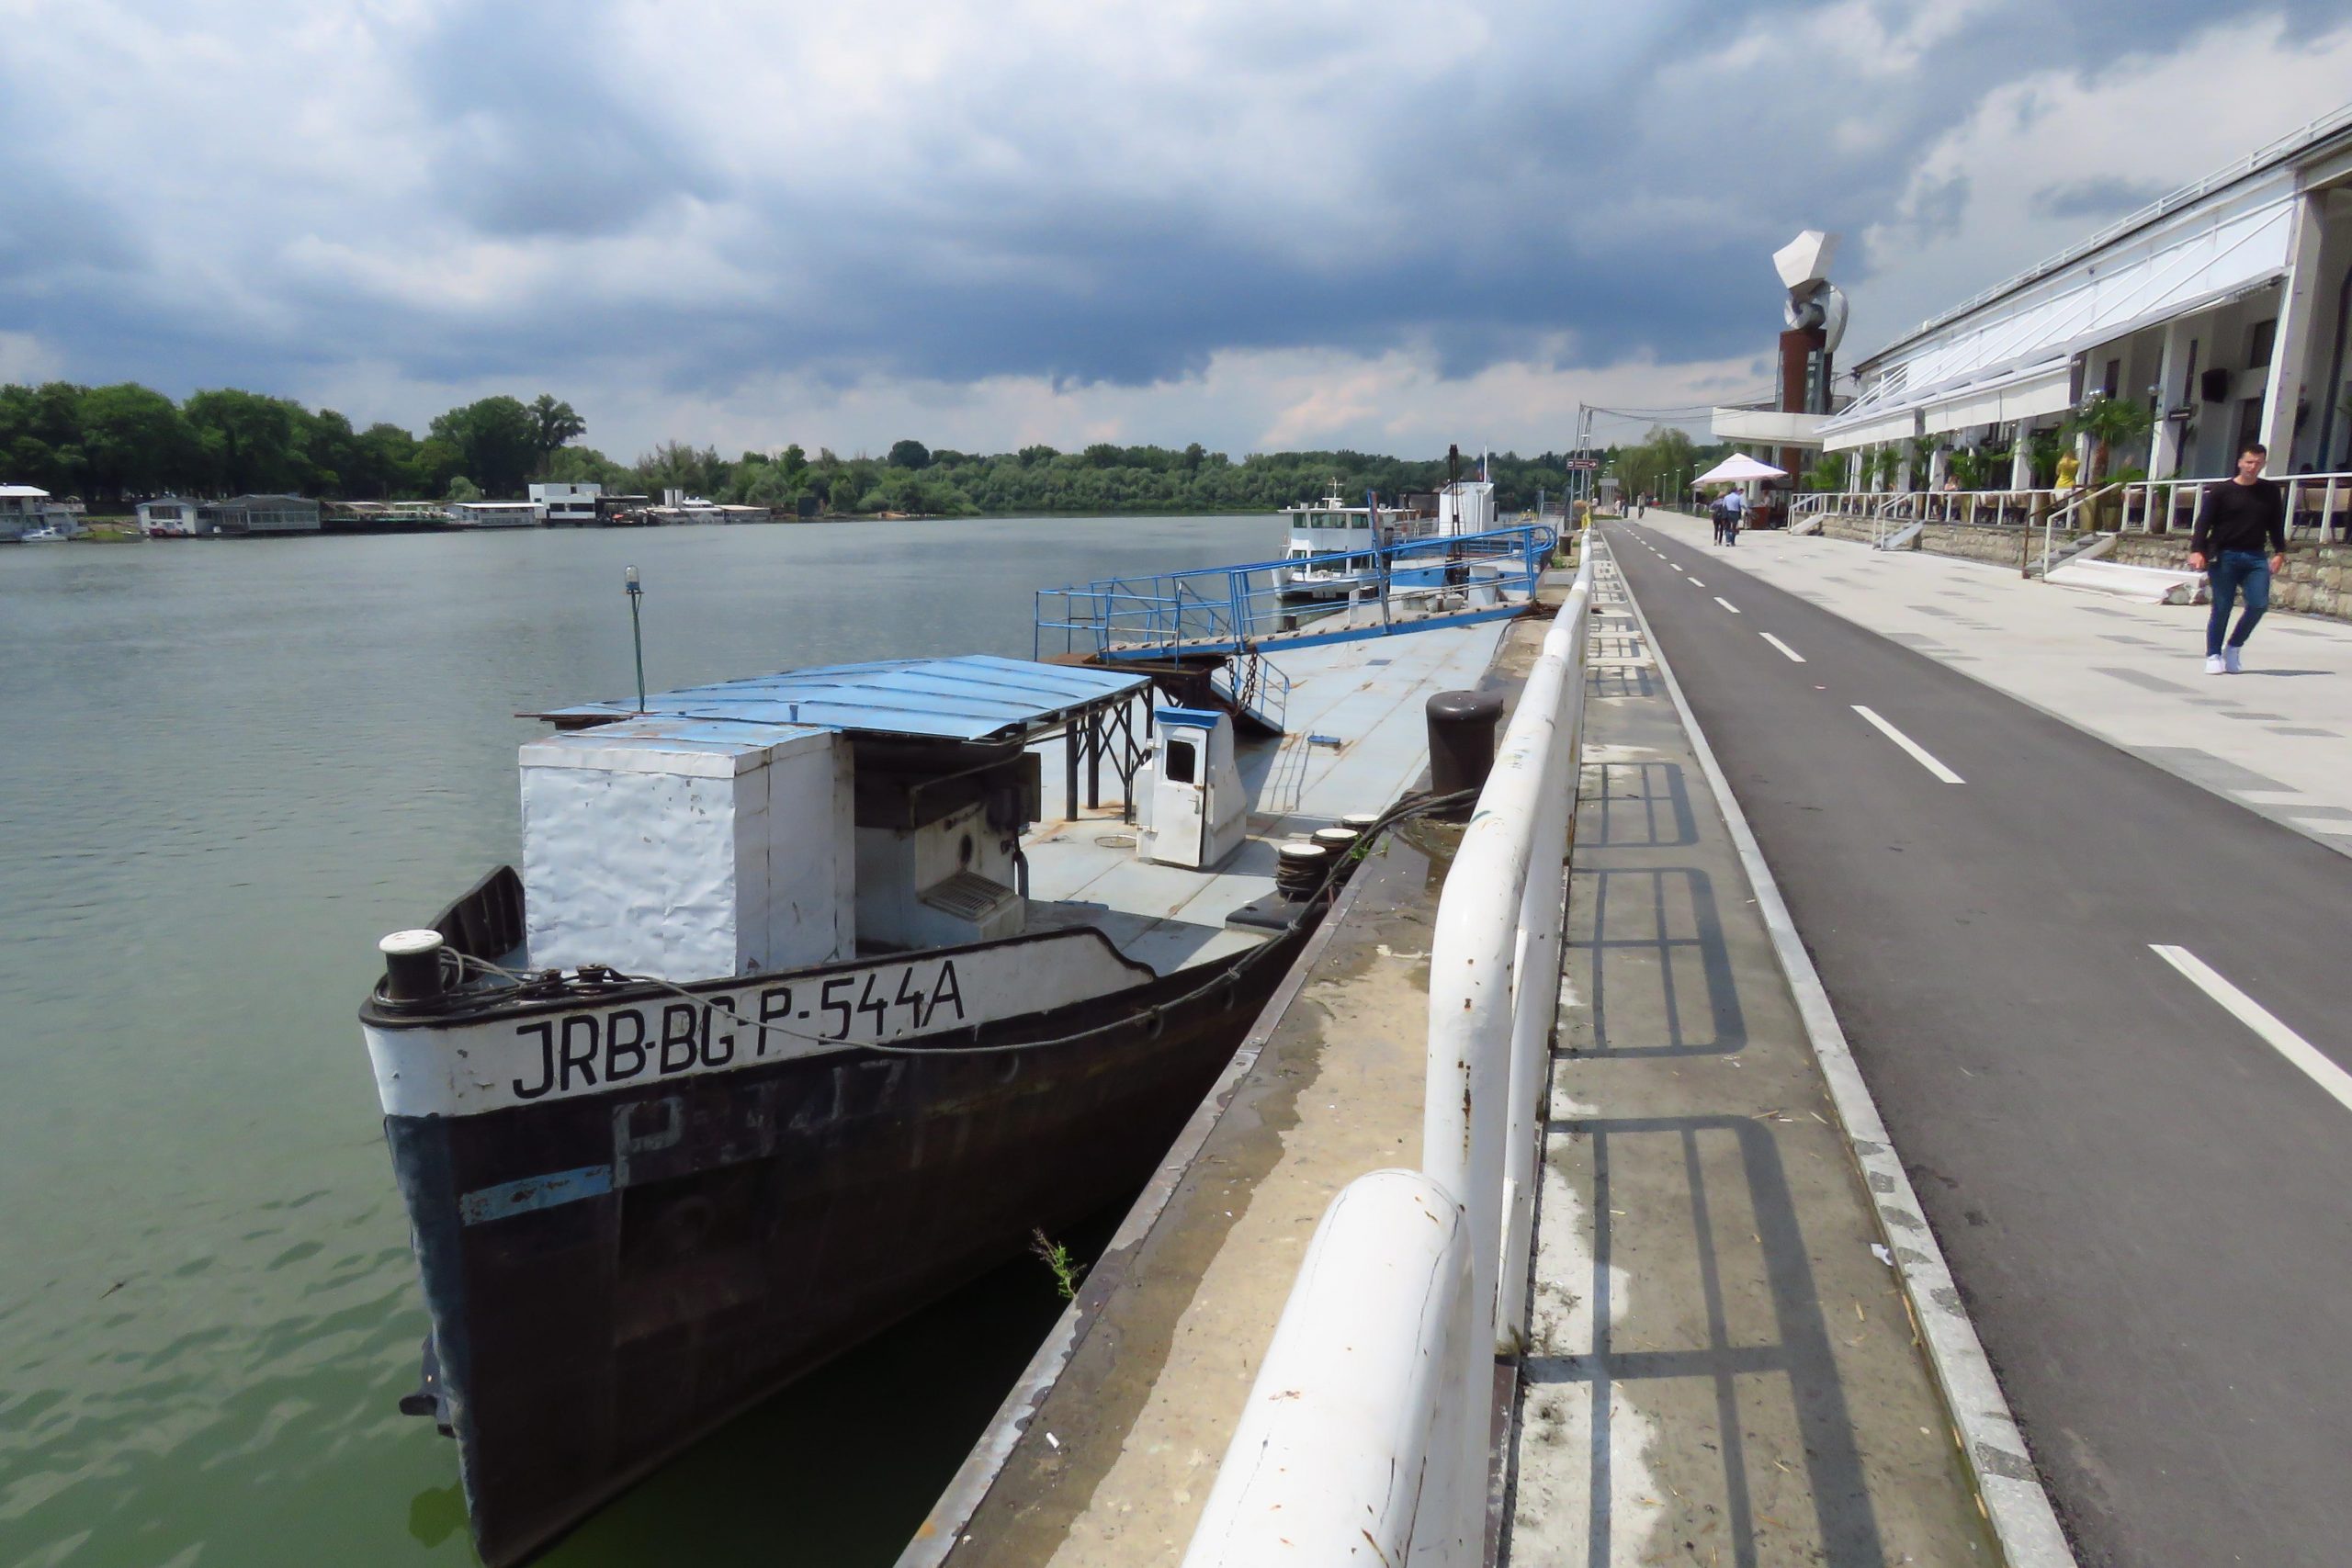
column 1795, row 657
column 2298, row 1051
column 1727, row 603
column 1919, row 753
column 1694, row 581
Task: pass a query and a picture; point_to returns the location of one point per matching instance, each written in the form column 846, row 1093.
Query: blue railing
column 1297, row 603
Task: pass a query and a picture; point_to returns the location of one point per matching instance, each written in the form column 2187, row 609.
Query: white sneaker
column 2229, row 660
column 2216, row 665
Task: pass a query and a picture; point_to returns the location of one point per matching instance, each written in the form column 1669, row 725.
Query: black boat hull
column 682, row 1250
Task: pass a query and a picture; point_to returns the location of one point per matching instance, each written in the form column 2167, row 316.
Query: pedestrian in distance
column 1716, row 515
column 2238, row 517
column 1735, row 513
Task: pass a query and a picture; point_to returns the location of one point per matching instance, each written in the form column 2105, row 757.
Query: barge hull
column 610, row 1277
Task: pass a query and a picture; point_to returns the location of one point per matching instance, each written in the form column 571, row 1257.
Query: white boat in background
column 27, row 514
column 494, row 514
column 1331, row 548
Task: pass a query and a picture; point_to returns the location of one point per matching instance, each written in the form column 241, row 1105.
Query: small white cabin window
column 1184, row 762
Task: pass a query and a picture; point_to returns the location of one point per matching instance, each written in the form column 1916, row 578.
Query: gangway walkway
column 1444, row 580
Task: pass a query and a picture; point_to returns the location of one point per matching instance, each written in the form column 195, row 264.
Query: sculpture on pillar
column 1815, row 319
column 1815, row 314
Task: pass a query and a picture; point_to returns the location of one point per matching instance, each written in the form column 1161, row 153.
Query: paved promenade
column 2100, row 1002
column 1722, row 1370
column 2276, row 738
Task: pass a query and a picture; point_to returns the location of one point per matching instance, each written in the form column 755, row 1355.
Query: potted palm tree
column 2109, row 423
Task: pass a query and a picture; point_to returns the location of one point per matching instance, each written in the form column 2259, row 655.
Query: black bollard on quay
column 1461, row 743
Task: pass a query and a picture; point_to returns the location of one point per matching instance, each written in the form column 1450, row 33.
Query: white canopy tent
column 1738, row 468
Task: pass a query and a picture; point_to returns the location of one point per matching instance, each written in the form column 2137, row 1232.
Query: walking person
column 2238, row 516
column 1734, row 512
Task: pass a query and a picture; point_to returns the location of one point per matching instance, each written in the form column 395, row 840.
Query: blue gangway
column 1268, row 606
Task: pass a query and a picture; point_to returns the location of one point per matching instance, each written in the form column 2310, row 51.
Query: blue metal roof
column 975, row 697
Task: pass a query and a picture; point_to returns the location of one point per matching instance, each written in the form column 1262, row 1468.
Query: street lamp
column 637, row 629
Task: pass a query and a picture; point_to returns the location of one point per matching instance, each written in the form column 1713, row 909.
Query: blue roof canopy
column 975, row 697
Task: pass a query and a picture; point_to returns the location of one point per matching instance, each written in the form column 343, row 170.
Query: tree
column 248, row 439
column 435, row 463
column 464, row 489
column 381, row 463
column 909, row 455
column 499, row 439
column 585, row 464
column 134, row 439
column 558, row 427
column 2109, row 423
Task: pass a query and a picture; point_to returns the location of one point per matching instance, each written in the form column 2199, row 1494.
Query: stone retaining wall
column 2317, row 581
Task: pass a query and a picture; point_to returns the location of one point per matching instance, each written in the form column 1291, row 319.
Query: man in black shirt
column 2238, row 517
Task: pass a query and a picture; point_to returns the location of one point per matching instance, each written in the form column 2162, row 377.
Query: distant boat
column 1331, row 554
column 45, row 534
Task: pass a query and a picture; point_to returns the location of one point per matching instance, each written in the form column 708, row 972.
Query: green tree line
column 105, row 443
column 914, row 479
column 109, row 444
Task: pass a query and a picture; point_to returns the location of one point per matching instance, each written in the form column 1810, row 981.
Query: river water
column 226, row 767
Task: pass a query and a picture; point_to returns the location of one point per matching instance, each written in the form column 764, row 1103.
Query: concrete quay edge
column 2008, row 1483
column 945, row 1525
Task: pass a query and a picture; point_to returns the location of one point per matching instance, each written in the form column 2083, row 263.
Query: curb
column 2008, row 1488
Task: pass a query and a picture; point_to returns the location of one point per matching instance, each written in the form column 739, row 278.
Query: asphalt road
column 2147, row 1204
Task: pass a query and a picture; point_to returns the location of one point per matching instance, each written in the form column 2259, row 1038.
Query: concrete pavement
column 2099, row 1003
column 1721, row 1369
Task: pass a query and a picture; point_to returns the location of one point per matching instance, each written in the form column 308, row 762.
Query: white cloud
column 980, row 222
column 2146, row 124
column 25, row 359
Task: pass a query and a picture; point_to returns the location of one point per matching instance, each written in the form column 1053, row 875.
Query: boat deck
column 1357, row 741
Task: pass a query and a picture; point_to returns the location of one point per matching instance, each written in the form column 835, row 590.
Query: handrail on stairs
column 2050, row 525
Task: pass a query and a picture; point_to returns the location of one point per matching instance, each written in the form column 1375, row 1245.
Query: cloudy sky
column 1256, row 225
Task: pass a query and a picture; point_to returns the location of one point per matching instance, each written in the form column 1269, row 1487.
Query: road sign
column 1574, row 463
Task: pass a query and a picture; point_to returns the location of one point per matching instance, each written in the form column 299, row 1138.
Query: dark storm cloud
column 541, row 134
column 1610, row 180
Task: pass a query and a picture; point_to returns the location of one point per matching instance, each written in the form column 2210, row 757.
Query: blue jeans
column 2233, row 572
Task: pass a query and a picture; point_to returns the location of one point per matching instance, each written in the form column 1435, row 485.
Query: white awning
column 1738, row 468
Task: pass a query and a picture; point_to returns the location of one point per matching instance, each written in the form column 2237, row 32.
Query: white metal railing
column 1368, row 1419
column 2318, row 505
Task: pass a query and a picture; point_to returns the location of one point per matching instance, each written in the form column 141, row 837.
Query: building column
column 1854, row 469
column 1939, row 465
column 2164, row 440
column 2021, row 457
column 2298, row 300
